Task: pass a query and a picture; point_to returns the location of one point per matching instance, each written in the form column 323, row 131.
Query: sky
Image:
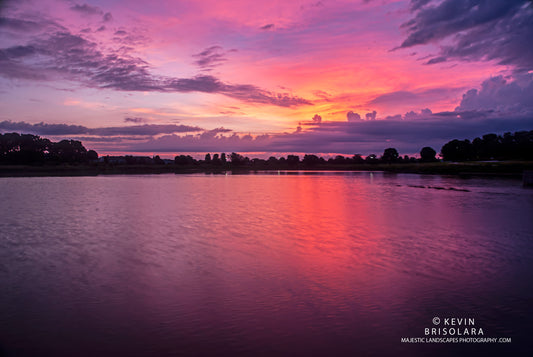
column 265, row 77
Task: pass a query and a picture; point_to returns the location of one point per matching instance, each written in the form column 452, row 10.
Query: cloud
column 417, row 4
column 210, row 57
column 474, row 30
column 411, row 115
column 67, row 56
column 18, row 51
column 107, row 17
column 371, row 116
column 65, row 129
column 351, row 116
column 28, row 26
column 87, row 9
column 267, row 27
column 317, row 119
column 414, row 98
column 325, row 96
column 135, row 120
column 394, row 117
column 131, row 38
column 146, row 129
column 19, row 25
column 498, row 94
column 348, row 138
column 394, row 98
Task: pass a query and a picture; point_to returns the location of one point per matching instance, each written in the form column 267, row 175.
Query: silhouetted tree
column 184, row 160
column 310, row 160
column 258, row 163
column 237, row 160
column 216, row 161
column 517, row 146
column 487, row 148
column 71, row 151
column 371, row 159
column 223, row 157
column 293, row 160
column 524, row 145
column 457, row 150
column 358, row 159
column 207, row 158
column 272, row 162
column 92, row 155
column 23, row 148
column 427, row 154
column 390, row 155
column 339, row 160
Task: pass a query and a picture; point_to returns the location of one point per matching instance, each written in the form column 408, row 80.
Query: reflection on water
column 267, row 264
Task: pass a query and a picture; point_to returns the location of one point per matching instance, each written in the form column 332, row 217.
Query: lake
column 265, row 264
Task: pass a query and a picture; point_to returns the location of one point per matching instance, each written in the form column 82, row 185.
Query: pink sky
column 262, row 70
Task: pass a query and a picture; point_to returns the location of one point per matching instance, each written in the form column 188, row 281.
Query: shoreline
column 509, row 169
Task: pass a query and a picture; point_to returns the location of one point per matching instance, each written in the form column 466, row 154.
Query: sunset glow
column 247, row 76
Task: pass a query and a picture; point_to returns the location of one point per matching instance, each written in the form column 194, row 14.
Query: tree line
column 31, row 149
column 509, row 146
column 19, row 149
column 236, row 160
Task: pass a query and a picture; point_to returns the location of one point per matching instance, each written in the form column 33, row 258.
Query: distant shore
column 472, row 168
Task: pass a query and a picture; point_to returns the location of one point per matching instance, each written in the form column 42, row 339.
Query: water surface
column 291, row 264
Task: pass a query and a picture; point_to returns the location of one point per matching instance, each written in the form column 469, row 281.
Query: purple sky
column 327, row 77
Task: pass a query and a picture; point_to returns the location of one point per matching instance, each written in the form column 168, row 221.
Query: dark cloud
column 131, row 38
column 394, row 117
column 394, row 98
column 146, row 129
column 65, row 129
column 12, row 65
column 17, row 51
column 351, row 116
column 42, row 128
column 87, row 9
column 135, row 120
column 371, row 116
column 208, row 141
column 73, row 57
column 210, row 57
column 19, row 25
column 27, row 25
column 501, row 95
column 347, row 138
column 415, row 98
column 267, row 27
column 417, row 4
column 254, row 94
column 317, row 119
column 436, row 60
column 110, row 139
column 107, row 17
column 411, row 115
column 476, row 30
